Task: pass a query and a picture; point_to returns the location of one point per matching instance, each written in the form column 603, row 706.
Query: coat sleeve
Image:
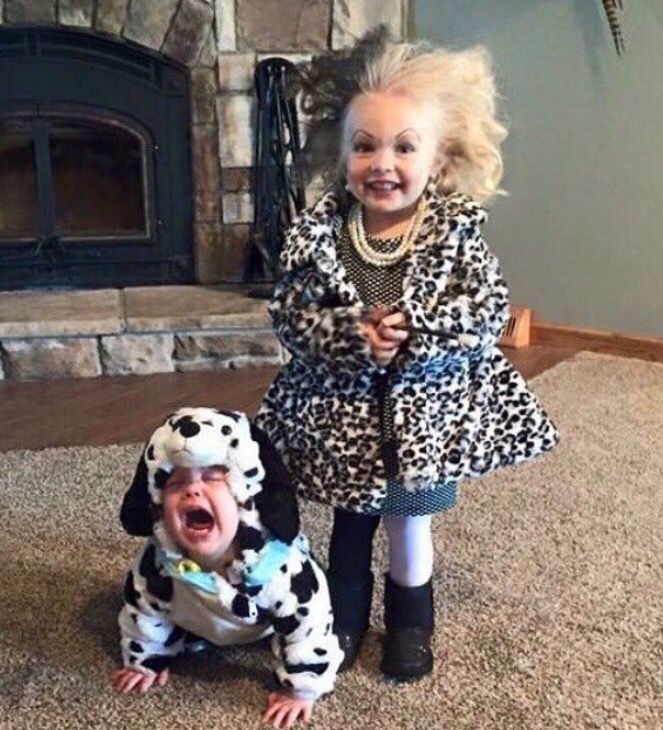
column 468, row 316
column 304, row 644
column 316, row 329
column 149, row 641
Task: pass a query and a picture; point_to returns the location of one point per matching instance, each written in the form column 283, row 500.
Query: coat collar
column 312, row 241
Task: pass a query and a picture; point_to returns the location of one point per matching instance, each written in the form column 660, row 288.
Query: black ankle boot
column 408, row 618
column 351, row 603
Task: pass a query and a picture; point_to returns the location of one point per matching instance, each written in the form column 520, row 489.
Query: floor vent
column 516, row 332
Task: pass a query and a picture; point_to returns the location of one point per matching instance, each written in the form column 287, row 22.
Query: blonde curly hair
column 458, row 84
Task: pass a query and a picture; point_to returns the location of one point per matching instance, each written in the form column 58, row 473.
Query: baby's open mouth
column 198, row 519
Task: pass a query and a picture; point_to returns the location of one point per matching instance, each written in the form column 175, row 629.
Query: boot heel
column 350, row 644
column 351, row 605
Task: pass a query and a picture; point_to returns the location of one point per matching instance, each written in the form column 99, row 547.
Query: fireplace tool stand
column 277, row 175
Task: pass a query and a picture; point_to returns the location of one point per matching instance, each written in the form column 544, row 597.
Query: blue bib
column 273, row 555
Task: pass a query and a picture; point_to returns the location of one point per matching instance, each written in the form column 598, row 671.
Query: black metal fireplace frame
column 48, row 71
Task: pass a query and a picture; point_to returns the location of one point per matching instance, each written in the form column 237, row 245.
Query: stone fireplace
column 154, row 193
column 95, row 177
column 214, row 45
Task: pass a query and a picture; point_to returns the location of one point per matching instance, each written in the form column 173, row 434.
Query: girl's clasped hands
column 385, row 331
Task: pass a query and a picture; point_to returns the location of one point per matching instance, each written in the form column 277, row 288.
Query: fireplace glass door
column 95, row 163
column 19, row 206
column 99, row 179
column 89, row 175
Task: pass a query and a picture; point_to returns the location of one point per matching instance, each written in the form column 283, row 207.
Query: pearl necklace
column 357, row 234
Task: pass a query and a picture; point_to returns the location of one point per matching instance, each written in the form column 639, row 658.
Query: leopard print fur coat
column 459, row 407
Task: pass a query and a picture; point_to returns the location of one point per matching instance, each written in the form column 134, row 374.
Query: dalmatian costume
column 458, row 408
column 274, row 587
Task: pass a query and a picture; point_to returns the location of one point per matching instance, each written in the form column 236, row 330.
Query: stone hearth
column 82, row 334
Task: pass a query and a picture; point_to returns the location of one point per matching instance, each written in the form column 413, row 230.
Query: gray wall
column 581, row 235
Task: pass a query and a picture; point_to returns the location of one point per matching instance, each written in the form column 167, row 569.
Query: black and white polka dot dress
column 384, row 285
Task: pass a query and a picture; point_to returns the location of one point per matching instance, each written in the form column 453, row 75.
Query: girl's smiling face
column 391, row 151
column 200, row 514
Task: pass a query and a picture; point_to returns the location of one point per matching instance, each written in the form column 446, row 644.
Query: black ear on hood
column 136, row 512
column 276, row 502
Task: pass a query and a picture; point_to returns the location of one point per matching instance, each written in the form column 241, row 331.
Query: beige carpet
column 549, row 588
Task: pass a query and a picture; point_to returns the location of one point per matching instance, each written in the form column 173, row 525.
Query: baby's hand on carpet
column 283, row 711
column 134, row 680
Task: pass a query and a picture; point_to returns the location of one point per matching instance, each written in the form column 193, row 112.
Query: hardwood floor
column 114, row 410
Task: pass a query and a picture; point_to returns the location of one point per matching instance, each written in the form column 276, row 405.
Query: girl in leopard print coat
column 392, row 305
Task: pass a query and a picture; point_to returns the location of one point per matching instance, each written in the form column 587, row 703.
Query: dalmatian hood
column 257, row 478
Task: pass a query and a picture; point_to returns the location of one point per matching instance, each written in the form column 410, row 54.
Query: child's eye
column 362, row 147
column 405, row 147
column 218, row 474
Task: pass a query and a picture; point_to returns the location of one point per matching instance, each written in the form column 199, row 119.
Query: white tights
column 410, row 549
